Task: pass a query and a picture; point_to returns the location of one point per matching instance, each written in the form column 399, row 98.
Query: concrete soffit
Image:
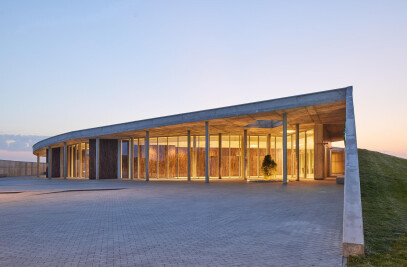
column 275, row 105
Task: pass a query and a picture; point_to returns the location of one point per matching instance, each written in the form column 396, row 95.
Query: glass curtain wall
column 168, row 156
column 78, row 160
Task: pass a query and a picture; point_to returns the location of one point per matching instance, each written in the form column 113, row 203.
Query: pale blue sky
column 62, row 63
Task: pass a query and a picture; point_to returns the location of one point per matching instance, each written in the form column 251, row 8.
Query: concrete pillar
column 245, row 154
column 297, row 149
column 131, row 158
column 119, row 159
column 189, row 155
column 49, row 162
column 220, row 156
column 64, row 162
column 38, row 165
column 319, row 152
column 97, row 158
column 268, row 144
column 284, row 148
column 147, row 145
column 207, row 152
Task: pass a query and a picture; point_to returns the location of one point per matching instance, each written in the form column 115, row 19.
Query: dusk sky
column 62, row 63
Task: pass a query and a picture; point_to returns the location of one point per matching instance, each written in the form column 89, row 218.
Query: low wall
column 20, row 168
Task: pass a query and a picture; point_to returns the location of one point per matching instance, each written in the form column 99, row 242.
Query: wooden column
column 268, row 144
column 206, row 152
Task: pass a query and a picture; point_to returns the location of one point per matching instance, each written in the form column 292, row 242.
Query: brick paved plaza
column 76, row 223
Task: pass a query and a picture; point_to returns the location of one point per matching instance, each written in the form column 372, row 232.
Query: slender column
column 131, row 158
column 86, row 159
column 206, row 152
column 297, row 149
column 147, row 147
column 284, row 148
column 220, row 156
column 268, row 144
column 97, row 158
column 64, row 162
column 49, row 162
column 119, row 159
column 189, row 155
column 245, row 155
column 38, row 165
column 194, row 160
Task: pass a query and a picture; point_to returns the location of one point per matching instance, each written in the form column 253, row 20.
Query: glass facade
column 168, row 156
column 78, row 160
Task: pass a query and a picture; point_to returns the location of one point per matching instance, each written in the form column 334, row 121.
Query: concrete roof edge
column 202, row 115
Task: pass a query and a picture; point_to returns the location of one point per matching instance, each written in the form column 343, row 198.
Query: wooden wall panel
column 92, row 158
column 108, row 159
column 56, row 162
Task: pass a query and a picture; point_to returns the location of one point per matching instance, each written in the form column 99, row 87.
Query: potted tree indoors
column 268, row 167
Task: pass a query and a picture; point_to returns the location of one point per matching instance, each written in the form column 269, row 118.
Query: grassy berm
column 383, row 181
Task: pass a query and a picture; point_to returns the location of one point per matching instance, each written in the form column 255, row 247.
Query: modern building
column 222, row 143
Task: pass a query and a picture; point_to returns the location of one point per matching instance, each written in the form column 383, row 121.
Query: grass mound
column 383, row 181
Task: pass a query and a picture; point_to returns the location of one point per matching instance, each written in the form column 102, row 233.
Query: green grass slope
column 383, row 181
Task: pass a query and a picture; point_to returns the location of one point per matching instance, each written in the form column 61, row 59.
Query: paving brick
column 170, row 223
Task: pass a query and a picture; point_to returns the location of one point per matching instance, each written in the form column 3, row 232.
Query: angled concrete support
column 353, row 239
column 297, row 149
column 189, row 155
column 207, row 152
column 284, row 148
column 64, row 162
column 147, row 153
column 119, row 159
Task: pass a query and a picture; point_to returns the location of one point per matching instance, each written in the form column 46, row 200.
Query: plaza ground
column 126, row 223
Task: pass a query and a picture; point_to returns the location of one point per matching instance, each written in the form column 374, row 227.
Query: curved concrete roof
column 322, row 97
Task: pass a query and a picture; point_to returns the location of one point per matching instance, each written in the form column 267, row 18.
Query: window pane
column 135, row 157
column 225, row 156
column 200, row 162
column 279, row 155
column 173, row 157
column 152, row 161
column 142, row 162
column 125, row 158
column 183, row 156
column 235, row 156
column 162, row 157
column 253, row 156
column 310, row 154
column 262, row 151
